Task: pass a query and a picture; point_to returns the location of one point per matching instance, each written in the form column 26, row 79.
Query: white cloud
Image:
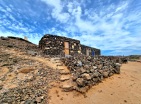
column 122, row 6
column 106, row 26
column 57, row 11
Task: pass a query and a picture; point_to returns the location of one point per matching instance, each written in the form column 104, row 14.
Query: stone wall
column 54, row 45
column 91, row 51
column 88, row 71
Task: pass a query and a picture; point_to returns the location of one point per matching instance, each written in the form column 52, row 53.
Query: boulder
column 95, row 74
column 82, row 70
column 79, row 63
column 86, row 76
column 95, row 79
column 110, row 74
column 80, row 81
column 95, row 67
column 39, row 99
column 105, row 74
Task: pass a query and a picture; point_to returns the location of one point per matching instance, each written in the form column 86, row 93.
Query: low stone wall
column 87, row 71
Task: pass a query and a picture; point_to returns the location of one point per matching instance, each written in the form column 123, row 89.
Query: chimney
column 25, row 38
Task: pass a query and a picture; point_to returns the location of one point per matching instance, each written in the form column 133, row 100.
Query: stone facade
column 89, row 51
column 58, row 45
column 87, row 71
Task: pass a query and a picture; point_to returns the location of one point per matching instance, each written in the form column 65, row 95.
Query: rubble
column 28, row 80
column 24, row 80
column 91, row 71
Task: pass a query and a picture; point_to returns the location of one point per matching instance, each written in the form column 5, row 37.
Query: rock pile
column 87, row 71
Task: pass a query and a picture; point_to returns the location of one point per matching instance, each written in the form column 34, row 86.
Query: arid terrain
column 124, row 88
column 27, row 78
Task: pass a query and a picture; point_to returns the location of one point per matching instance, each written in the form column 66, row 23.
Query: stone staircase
column 65, row 75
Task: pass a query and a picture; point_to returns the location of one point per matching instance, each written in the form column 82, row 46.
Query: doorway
column 87, row 52
column 66, row 48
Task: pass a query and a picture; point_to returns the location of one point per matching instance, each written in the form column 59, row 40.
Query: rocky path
column 25, row 79
column 124, row 88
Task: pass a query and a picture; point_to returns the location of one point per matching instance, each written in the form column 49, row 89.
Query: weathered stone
column 82, row 89
column 64, row 77
column 95, row 67
column 110, row 74
column 86, row 76
column 79, row 63
column 100, row 66
column 95, row 79
column 64, row 71
column 67, row 87
column 86, row 66
column 100, row 71
column 74, row 77
column 39, row 99
column 80, row 81
column 82, row 70
column 92, row 70
column 118, row 64
column 95, row 74
column 105, row 74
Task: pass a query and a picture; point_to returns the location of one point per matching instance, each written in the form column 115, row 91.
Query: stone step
column 65, row 77
column 59, row 64
column 55, row 59
column 60, row 67
column 67, row 85
column 64, row 72
column 56, row 62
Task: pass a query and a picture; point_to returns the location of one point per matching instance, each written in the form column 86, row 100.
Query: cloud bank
column 112, row 26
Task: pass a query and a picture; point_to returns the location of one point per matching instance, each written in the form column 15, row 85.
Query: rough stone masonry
column 87, row 71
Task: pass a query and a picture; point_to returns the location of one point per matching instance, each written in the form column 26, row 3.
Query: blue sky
column 114, row 26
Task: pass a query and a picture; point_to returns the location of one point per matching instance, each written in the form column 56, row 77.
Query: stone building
column 58, row 45
column 89, row 51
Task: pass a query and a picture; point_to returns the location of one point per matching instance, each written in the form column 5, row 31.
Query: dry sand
column 124, row 88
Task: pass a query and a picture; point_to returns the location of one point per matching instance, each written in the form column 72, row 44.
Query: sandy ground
column 118, row 89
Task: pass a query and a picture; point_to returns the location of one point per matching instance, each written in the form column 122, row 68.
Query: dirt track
column 118, row 89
